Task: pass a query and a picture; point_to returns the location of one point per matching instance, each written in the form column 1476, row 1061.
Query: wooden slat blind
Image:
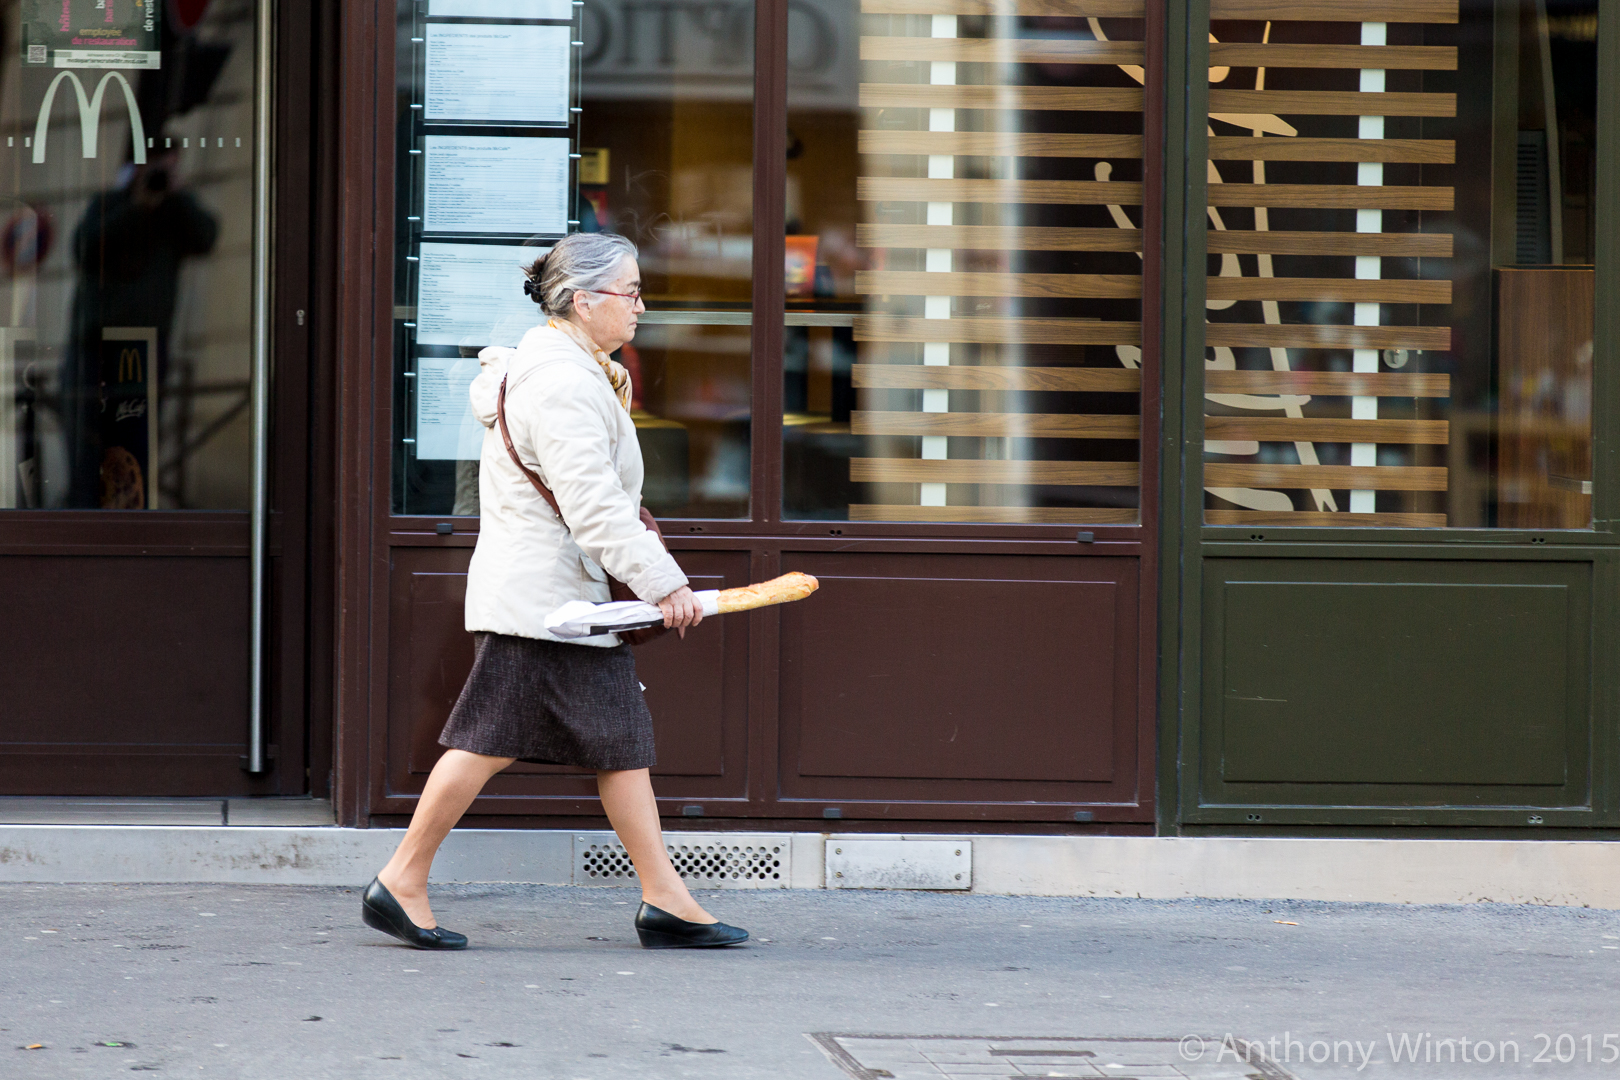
column 1391, row 57
column 947, row 236
column 1096, row 9
column 1384, row 11
column 1331, row 103
column 1056, row 192
column 1001, row 238
column 1003, row 50
column 1274, row 375
column 1052, row 98
column 981, row 331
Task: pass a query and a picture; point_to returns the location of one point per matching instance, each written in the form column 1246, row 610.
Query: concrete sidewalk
column 284, row 982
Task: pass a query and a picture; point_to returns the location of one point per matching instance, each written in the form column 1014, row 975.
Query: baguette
column 782, row 590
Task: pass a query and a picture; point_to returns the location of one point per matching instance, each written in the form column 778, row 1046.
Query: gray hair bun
column 583, row 262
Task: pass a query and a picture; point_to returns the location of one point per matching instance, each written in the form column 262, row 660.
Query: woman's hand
column 681, row 609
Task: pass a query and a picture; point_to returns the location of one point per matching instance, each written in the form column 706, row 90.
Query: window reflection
column 125, row 255
column 664, row 134
column 964, row 199
column 1400, row 290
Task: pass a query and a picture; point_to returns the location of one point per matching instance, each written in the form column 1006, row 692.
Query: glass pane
column 963, row 277
column 659, row 111
column 1401, row 244
column 126, row 188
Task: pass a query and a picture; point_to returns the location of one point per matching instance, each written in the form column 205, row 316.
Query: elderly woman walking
column 531, row 697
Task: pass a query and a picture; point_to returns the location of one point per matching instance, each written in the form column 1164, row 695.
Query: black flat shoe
column 382, row 912
column 658, row 929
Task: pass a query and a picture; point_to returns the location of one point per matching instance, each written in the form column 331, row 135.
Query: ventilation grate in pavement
column 705, row 860
column 983, row 1057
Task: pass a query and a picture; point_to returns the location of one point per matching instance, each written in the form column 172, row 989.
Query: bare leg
column 627, row 796
column 452, row 786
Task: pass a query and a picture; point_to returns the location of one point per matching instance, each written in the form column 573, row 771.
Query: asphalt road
column 283, row 982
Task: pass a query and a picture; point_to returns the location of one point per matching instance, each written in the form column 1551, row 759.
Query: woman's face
column 608, row 318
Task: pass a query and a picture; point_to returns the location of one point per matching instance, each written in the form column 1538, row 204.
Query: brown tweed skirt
column 552, row 703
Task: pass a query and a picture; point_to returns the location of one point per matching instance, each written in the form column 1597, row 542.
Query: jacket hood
column 486, row 386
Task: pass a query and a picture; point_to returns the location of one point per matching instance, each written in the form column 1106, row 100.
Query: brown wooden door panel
column 696, row 689
column 962, row 679
column 123, row 675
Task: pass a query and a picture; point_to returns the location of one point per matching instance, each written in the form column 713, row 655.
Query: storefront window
column 631, row 119
column 964, row 190
column 1400, row 231
column 126, row 196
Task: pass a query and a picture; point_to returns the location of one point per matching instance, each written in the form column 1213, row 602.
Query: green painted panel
column 1395, row 683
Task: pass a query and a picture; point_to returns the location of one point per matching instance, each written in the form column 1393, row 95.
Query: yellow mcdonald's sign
column 129, row 365
column 90, row 115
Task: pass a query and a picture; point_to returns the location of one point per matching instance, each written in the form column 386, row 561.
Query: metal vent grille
column 704, row 860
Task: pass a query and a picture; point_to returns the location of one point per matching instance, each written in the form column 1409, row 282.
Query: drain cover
column 984, row 1057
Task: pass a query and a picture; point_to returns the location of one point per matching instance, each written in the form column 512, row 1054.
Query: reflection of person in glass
column 531, row 696
column 128, row 247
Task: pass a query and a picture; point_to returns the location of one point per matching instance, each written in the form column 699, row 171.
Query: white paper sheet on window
column 500, row 9
column 502, row 185
column 446, row 429
column 470, row 68
column 471, row 295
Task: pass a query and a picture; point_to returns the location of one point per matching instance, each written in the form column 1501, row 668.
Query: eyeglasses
column 631, row 296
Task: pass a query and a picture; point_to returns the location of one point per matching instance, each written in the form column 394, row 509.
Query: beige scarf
column 616, row 374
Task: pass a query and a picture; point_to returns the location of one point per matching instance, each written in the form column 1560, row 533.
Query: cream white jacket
column 568, row 427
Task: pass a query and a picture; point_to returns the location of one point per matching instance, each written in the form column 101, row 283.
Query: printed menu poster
column 496, row 185
column 91, row 33
column 446, row 429
column 500, row 9
column 471, row 295
column 470, row 68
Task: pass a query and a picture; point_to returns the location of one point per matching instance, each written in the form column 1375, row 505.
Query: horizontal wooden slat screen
column 1328, row 383
column 1344, row 290
column 1331, row 103
column 997, row 377
column 1408, row 245
column 1003, row 238
column 966, row 270
column 1392, row 57
column 1331, row 196
column 1369, row 477
column 969, row 471
column 1386, row 11
column 1319, row 336
column 923, row 283
column 999, row 425
column 1256, row 148
column 1074, row 9
column 1301, row 261
column 1055, row 192
column 1003, row 50
column 1035, row 98
column 1316, row 517
column 981, row 331
column 1325, row 429
column 1033, row 515
column 1000, row 144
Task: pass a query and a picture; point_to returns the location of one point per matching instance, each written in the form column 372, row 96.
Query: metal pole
column 261, row 377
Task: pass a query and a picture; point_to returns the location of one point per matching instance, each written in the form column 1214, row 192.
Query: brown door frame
column 367, row 533
column 299, row 753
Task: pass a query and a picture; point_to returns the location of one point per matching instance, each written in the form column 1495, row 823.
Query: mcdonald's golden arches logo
column 130, row 368
column 90, row 115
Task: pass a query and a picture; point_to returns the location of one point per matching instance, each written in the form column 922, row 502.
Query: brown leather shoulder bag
column 616, row 588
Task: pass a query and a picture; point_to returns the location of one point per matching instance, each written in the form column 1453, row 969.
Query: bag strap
column 506, row 437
